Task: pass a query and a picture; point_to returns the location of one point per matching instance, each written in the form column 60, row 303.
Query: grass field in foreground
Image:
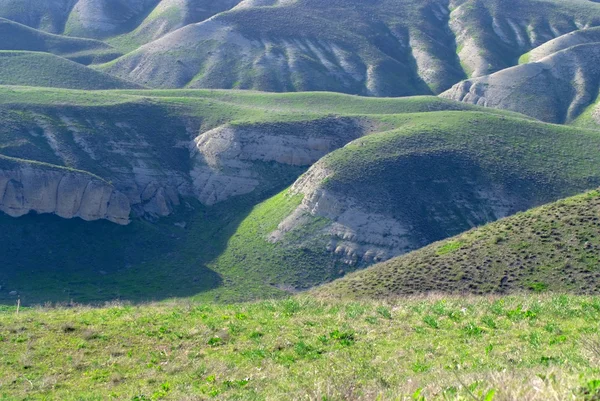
column 525, row 348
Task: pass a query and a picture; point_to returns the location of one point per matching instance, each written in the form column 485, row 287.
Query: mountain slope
column 388, row 193
column 47, row 70
column 556, row 89
column 46, row 15
column 553, row 248
column 14, row 36
column 406, row 47
column 168, row 16
column 492, row 34
column 579, row 37
column 402, row 48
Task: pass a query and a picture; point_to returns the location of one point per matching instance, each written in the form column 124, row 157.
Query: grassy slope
column 551, row 248
column 47, row 70
column 428, row 349
column 149, row 261
column 222, row 254
column 14, row 36
column 535, row 162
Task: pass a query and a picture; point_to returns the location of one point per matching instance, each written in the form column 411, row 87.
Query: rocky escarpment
column 556, row 89
column 236, row 160
column 68, row 194
column 386, row 194
column 366, row 228
column 155, row 158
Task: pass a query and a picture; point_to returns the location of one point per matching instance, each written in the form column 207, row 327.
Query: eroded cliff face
column 227, row 160
column 156, row 161
column 368, row 222
column 65, row 193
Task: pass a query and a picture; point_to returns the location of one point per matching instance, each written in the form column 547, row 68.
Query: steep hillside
column 404, row 47
column 15, row 36
column 493, row 34
column 168, row 16
column 47, row 70
column 46, row 15
column 551, row 248
column 199, row 170
column 159, row 146
column 556, row 89
column 301, row 48
column 386, row 194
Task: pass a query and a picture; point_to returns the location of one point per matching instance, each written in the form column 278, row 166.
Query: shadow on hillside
column 47, row 259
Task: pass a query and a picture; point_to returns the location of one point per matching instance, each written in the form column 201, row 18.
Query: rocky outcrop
column 65, row 193
column 227, row 159
column 355, row 234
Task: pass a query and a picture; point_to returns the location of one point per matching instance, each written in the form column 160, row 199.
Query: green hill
column 47, row 70
column 433, row 177
column 317, row 45
column 139, row 142
column 551, row 248
column 14, row 36
column 200, row 175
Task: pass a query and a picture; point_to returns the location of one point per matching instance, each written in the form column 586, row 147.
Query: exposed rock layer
column 65, row 193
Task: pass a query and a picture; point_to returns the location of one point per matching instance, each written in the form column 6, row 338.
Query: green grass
column 223, row 253
column 15, row 36
column 304, row 348
column 47, row 70
column 553, row 248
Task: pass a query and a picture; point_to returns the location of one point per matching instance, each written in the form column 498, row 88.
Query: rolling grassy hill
column 388, row 193
column 47, row 70
column 144, row 144
column 15, row 36
column 551, row 248
column 205, row 180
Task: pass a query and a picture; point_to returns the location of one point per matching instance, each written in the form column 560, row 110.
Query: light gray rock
column 65, row 193
column 556, row 89
column 226, row 158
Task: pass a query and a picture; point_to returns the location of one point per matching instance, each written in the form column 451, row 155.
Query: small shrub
column 345, row 338
column 449, row 247
column 431, row 322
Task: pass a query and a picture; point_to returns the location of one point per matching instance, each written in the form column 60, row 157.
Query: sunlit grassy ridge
column 551, row 248
column 525, row 348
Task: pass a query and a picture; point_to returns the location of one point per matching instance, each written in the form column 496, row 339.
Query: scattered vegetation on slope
column 551, row 248
column 424, row 349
